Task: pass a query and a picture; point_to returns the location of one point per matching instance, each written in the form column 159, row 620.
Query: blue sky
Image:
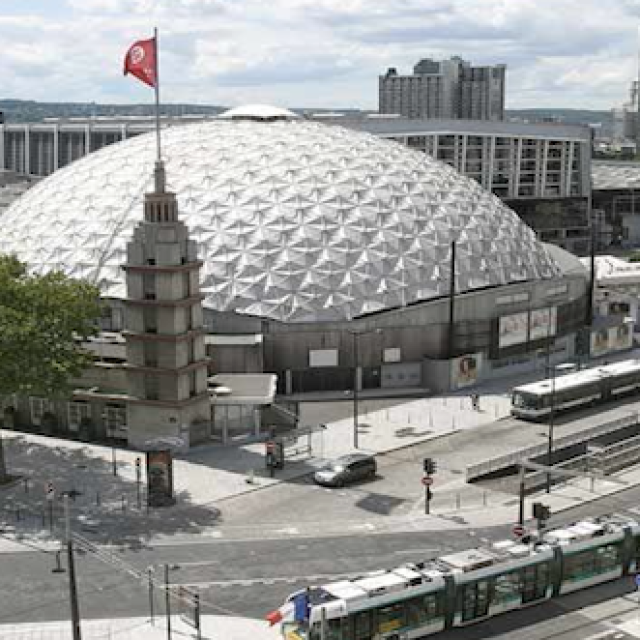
column 316, row 53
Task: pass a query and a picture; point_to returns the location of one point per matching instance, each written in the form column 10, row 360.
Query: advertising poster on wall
column 621, row 337
column 159, row 478
column 543, row 323
column 608, row 340
column 599, row 342
column 513, row 329
column 465, row 370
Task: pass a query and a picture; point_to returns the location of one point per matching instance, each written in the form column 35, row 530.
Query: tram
column 427, row 597
column 598, row 384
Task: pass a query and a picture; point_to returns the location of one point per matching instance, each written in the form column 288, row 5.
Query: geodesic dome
column 295, row 220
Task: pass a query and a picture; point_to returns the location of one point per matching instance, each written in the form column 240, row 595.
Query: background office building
column 444, row 89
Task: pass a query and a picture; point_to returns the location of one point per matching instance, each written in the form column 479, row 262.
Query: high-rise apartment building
column 451, row 89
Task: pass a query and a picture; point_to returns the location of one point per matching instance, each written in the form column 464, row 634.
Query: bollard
column 124, row 505
column 97, row 498
column 26, row 485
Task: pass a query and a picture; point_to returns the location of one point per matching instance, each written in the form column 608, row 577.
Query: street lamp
column 356, row 359
column 355, row 337
column 551, row 424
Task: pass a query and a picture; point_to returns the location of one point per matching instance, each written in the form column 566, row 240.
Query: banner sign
column 160, row 478
column 543, row 323
column 465, row 370
column 513, row 329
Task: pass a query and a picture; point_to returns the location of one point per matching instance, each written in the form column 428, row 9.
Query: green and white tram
column 536, row 400
column 459, row 589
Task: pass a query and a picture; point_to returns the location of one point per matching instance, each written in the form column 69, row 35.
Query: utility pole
column 73, row 589
column 167, row 600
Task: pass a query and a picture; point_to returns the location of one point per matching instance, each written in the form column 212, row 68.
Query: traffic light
column 430, row 466
column 541, row 511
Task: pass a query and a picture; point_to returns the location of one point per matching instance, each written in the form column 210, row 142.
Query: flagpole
column 157, row 92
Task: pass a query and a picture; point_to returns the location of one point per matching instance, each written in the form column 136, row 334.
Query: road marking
column 416, row 552
column 290, row 531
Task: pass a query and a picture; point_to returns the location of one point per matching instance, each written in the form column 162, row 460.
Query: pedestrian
column 477, row 402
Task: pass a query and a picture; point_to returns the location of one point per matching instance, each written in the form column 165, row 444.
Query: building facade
column 452, row 89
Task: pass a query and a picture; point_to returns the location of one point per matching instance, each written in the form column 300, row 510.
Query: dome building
column 325, row 251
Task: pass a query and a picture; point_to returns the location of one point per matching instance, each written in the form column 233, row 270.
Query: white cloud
column 579, row 53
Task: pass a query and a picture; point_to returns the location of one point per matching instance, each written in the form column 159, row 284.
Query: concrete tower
column 167, row 365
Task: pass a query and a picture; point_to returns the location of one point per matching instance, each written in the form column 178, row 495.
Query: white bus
column 536, row 400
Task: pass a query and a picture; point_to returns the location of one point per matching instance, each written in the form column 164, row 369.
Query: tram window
column 422, row 609
column 608, row 557
column 333, row 630
column 361, row 626
column 589, row 563
column 507, row 587
column 391, row 618
column 475, row 600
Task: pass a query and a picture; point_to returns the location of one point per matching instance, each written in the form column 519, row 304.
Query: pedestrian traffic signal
column 430, row 466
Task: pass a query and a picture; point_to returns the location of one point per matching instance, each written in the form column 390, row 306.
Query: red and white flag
column 140, row 61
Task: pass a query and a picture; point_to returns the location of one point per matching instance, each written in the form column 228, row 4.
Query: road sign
column 49, row 490
column 518, row 530
column 427, row 481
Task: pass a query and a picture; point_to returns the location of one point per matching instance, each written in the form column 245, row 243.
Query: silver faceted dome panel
column 295, row 220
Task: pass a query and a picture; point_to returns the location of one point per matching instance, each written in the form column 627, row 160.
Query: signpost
column 518, row 530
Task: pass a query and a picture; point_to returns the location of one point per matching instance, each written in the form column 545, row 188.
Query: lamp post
column 551, row 426
column 356, row 360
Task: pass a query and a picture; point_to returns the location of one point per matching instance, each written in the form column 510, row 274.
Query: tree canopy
column 43, row 318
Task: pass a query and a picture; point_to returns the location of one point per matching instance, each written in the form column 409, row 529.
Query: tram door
column 475, row 600
column 535, row 580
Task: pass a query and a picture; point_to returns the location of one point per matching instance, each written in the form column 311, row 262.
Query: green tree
column 43, row 319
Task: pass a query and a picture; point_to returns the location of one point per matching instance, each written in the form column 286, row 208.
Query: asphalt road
column 252, row 577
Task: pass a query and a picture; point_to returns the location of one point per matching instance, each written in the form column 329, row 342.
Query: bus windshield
column 524, row 400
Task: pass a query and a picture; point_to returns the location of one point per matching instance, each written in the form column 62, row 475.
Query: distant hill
column 602, row 119
column 32, row 111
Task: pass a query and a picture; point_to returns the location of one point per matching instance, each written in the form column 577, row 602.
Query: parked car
column 347, row 469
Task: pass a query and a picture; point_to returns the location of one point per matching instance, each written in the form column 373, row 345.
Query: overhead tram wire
column 140, row 575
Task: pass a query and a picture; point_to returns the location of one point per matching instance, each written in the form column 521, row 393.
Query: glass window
column 507, row 588
column 361, row 626
column 579, row 566
column 391, row 618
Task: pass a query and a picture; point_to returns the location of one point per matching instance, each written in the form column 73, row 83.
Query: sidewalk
column 113, row 505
